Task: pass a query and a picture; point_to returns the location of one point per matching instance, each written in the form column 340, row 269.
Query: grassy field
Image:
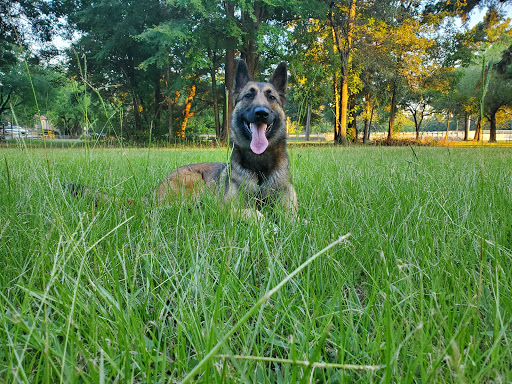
column 420, row 292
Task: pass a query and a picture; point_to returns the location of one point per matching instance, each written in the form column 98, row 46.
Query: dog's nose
column 261, row 113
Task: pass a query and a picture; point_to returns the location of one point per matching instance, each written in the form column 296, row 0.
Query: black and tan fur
column 260, row 177
column 264, row 176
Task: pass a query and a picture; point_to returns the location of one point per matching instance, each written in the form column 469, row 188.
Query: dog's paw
column 251, row 215
column 298, row 220
column 271, row 228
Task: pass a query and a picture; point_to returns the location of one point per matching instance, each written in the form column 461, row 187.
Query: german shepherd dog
column 259, row 164
column 258, row 169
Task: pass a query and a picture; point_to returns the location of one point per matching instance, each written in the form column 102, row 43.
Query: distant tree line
column 165, row 68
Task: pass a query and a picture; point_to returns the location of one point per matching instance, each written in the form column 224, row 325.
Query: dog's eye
column 271, row 97
column 248, row 96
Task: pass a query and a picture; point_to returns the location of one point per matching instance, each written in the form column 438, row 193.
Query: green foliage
column 72, row 105
column 134, row 64
column 498, row 94
column 310, row 68
column 16, row 84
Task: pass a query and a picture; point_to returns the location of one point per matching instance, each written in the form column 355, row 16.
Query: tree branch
column 3, row 107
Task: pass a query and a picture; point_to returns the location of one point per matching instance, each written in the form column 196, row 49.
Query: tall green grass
column 142, row 293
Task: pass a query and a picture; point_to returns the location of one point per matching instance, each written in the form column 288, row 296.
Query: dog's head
column 258, row 117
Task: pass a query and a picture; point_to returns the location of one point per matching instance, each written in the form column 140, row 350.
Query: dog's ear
column 241, row 76
column 279, row 80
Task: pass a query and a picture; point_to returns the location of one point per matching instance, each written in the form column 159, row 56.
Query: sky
column 477, row 15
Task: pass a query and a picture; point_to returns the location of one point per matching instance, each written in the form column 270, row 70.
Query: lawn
column 421, row 291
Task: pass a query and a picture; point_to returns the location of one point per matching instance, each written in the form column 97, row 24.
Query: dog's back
column 189, row 180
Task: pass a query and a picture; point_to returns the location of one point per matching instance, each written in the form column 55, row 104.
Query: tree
column 344, row 49
column 21, row 21
column 71, row 104
column 108, row 55
column 229, row 67
column 491, row 37
column 464, row 95
column 175, row 59
column 310, row 68
column 498, row 96
column 417, row 104
column 22, row 97
column 410, row 56
column 460, row 8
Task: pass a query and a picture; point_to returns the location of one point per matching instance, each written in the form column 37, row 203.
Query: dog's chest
column 260, row 176
column 261, row 185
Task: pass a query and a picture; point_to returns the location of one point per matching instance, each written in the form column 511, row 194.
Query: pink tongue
column 259, row 140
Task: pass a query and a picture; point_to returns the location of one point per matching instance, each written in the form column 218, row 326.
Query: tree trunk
column 478, row 131
column 492, row 132
column 345, row 53
column 158, row 97
column 365, row 129
column 4, row 102
column 352, row 126
column 214, row 96
column 250, row 26
column 392, row 112
column 170, row 105
column 169, row 121
column 467, row 125
column 186, row 112
column 308, row 121
column 129, row 74
column 367, row 113
column 228, row 108
column 342, row 139
column 337, row 109
column 216, row 107
column 447, row 125
column 136, row 112
column 370, row 126
column 346, row 69
column 416, row 125
column 229, row 75
column 251, row 58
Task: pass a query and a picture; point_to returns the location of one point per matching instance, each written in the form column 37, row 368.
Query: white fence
column 435, row 135
column 452, row 135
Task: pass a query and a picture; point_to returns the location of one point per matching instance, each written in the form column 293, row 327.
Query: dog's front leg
column 234, row 199
column 289, row 201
